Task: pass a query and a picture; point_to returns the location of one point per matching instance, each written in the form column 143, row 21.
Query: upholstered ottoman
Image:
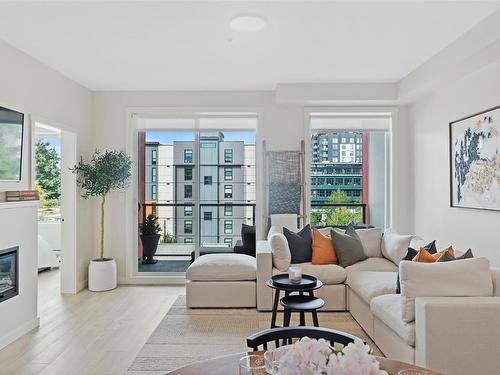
column 222, row 280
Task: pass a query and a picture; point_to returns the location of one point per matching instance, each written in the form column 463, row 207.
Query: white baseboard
column 18, row 332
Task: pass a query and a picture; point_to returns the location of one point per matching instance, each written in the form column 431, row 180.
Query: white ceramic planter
column 102, row 275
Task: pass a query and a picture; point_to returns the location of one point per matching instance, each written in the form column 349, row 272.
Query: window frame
column 228, row 155
column 186, row 222
column 228, row 226
column 228, row 191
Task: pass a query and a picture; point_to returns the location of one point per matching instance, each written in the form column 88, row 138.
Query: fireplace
column 9, row 273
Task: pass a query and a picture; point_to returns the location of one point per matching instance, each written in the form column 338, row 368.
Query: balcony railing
column 208, row 225
column 338, row 214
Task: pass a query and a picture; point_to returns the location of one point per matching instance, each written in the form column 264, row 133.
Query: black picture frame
column 451, row 153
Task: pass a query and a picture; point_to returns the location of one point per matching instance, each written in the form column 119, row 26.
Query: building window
column 188, row 240
column 188, row 156
column 207, row 180
column 154, row 156
column 228, row 242
column 228, row 174
column 207, row 145
column 188, row 191
column 188, row 210
column 188, row 174
column 228, row 155
column 154, row 174
column 154, row 192
column 207, row 215
column 228, row 191
column 335, row 140
column 228, row 227
column 228, row 210
column 188, row 226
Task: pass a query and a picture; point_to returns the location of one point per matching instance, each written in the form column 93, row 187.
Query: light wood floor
column 88, row 333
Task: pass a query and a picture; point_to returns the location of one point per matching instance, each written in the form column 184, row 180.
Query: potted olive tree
column 150, row 235
column 106, row 171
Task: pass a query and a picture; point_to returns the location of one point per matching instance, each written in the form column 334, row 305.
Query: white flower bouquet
column 316, row 357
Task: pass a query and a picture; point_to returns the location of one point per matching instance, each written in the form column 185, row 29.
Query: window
column 188, row 191
column 207, row 180
column 154, row 173
column 188, row 211
column 188, row 240
column 228, row 191
column 207, row 145
column 188, row 174
column 335, row 140
column 188, row 226
column 188, row 156
column 228, row 174
column 228, row 227
column 154, row 192
column 228, row 242
column 154, row 156
column 228, row 155
column 207, row 215
column 228, row 210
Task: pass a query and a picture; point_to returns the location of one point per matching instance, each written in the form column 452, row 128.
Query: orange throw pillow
column 423, row 256
column 322, row 249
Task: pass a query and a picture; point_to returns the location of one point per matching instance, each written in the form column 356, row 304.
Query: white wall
column 28, row 86
column 429, row 117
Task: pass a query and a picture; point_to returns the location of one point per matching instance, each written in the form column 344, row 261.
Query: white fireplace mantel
column 19, row 227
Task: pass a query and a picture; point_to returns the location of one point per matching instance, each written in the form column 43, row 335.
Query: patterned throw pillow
column 300, row 244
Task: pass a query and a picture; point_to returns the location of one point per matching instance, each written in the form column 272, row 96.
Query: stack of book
column 21, row 195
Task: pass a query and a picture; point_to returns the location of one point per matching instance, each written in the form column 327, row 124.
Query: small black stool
column 301, row 304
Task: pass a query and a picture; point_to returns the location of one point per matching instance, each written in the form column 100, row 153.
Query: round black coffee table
column 297, row 302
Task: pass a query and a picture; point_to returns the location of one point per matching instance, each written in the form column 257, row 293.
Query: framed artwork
column 475, row 161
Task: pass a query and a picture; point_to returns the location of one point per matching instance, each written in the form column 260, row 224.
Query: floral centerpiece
column 316, row 357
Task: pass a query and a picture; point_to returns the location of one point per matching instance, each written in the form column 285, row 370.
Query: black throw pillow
column 300, row 244
column 446, row 257
column 430, row 247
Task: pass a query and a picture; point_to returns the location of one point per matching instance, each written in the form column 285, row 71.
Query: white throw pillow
column 288, row 221
column 459, row 278
column 371, row 240
column 282, row 256
column 395, row 245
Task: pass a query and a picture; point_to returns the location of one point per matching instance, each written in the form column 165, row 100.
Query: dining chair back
column 288, row 334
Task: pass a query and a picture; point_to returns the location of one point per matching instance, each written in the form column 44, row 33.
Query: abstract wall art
column 475, row 161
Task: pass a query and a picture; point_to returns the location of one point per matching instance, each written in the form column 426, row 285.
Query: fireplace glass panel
column 9, row 273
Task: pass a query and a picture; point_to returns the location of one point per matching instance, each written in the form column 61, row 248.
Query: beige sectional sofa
column 453, row 335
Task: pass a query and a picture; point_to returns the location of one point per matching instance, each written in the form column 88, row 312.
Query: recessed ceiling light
column 247, row 23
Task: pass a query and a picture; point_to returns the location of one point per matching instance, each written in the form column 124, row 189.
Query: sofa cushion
column 372, row 240
column 387, row 308
column 348, row 246
column 373, row 264
column 300, row 244
column 368, row 285
column 223, row 267
column 465, row 278
column 395, row 245
column 279, row 247
column 329, row 274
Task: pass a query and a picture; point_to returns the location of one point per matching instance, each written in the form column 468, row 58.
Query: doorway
column 54, row 153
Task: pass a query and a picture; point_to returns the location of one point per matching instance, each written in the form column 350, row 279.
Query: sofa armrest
column 264, row 257
column 457, row 335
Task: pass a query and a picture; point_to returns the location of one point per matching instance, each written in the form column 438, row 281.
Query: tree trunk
column 102, row 226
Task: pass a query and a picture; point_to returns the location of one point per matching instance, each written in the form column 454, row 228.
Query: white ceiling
column 184, row 45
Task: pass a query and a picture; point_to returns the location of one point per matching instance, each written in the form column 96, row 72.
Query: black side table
column 297, row 302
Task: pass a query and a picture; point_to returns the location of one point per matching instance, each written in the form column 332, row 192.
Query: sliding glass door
column 199, row 184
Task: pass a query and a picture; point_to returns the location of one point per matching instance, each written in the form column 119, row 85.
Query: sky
column 167, row 137
column 54, row 142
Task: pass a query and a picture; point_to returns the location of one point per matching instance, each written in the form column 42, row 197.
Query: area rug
column 189, row 335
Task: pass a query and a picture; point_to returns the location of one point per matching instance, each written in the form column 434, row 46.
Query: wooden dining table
column 229, row 365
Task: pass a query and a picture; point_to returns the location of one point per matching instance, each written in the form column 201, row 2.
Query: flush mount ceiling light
column 247, row 23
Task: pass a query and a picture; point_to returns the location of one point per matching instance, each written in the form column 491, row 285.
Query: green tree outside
column 337, row 216
column 48, row 172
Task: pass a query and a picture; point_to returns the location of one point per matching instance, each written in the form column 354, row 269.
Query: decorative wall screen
column 285, row 182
